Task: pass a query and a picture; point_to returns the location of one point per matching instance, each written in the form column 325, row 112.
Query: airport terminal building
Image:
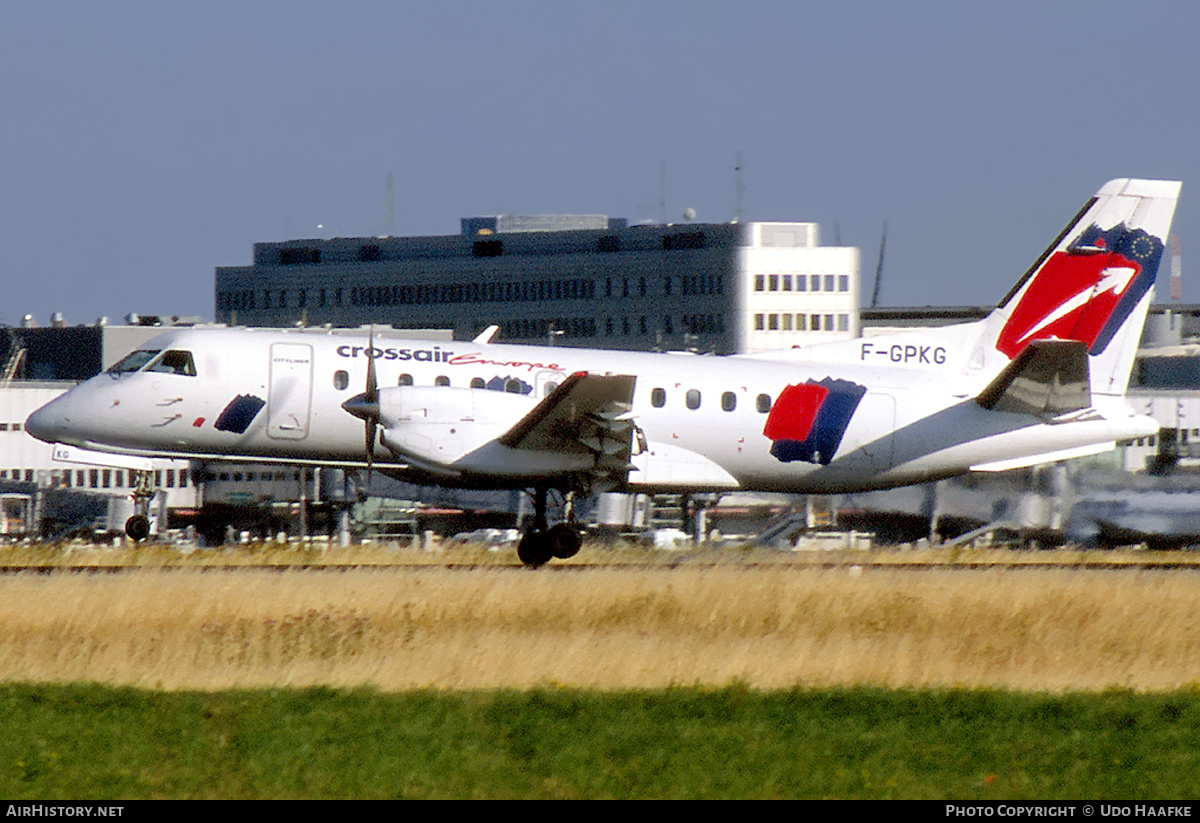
column 570, row 280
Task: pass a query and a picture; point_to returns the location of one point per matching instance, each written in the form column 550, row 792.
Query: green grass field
column 100, row 742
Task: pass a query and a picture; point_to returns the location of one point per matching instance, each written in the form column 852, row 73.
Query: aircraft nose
column 46, row 423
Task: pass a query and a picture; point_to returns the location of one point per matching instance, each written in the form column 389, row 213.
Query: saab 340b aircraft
column 1041, row 378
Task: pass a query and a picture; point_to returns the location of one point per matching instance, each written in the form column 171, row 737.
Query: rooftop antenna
column 662, row 192
column 737, row 188
column 879, row 268
column 389, row 204
column 1176, row 269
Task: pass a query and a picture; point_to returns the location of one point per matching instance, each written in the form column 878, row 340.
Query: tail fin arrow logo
column 1086, row 292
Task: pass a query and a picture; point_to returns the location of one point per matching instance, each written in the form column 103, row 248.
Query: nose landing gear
column 137, row 527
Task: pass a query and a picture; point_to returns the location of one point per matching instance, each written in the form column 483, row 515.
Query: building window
column 294, row 256
column 843, row 282
column 787, row 322
column 815, row 282
column 800, row 322
column 773, row 282
column 759, row 322
column 787, row 282
column 684, row 240
column 759, row 282
column 773, row 322
column 843, row 322
column 829, row 279
column 488, row 248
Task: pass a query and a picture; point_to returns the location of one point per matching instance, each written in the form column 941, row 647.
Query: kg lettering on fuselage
column 1042, row 377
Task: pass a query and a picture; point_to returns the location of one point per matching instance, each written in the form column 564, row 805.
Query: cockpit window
column 133, row 361
column 175, row 361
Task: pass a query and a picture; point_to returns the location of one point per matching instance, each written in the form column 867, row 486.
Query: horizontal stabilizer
column 1048, row 378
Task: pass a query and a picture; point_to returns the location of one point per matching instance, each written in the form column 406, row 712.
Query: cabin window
column 341, row 379
column 477, row 383
column 728, row 401
column 175, row 362
column 441, row 380
column 133, row 361
column 762, row 403
column 405, row 380
column 512, row 385
column 658, row 398
column 692, row 398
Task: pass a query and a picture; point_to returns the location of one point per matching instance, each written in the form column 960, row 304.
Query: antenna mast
column 737, row 188
column 662, row 192
column 389, row 204
column 1176, row 269
column 879, row 268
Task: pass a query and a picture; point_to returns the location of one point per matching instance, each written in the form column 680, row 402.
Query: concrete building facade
column 572, row 280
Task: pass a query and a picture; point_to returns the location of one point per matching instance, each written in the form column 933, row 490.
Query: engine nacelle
column 440, row 424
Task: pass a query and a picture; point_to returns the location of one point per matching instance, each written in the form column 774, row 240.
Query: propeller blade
column 371, row 395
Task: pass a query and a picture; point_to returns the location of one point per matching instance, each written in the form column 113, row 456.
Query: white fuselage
column 702, row 418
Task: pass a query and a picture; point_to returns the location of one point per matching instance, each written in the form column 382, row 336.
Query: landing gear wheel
column 563, row 541
column 535, row 548
column 138, row 527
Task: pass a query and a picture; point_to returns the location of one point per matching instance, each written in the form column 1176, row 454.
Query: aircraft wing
column 588, row 414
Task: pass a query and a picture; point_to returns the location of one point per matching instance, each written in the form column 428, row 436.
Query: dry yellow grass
column 402, row 628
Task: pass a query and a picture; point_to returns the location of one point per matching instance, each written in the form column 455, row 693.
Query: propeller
column 365, row 406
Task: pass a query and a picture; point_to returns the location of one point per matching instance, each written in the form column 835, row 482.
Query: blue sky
column 145, row 144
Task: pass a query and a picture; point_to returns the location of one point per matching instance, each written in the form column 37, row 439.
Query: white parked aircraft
column 1041, row 378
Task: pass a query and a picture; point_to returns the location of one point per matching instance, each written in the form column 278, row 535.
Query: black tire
column 138, row 527
column 564, row 541
column 534, row 550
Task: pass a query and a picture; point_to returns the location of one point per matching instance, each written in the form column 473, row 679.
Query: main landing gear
column 541, row 543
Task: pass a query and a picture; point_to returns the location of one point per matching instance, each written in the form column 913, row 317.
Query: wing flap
column 587, row 415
